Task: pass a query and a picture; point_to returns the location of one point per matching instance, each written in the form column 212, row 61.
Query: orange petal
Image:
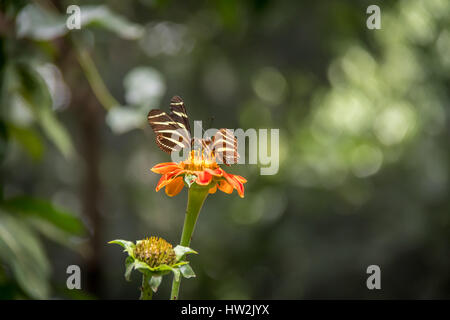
column 239, row 188
column 203, row 178
column 224, row 186
column 229, row 178
column 241, row 179
column 162, row 180
column 168, row 178
column 235, row 183
column 213, row 189
column 216, row 172
column 174, row 187
column 166, row 167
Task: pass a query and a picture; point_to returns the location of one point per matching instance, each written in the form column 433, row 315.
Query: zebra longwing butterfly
column 173, row 133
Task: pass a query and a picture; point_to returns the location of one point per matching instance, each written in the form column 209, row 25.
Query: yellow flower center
column 199, row 160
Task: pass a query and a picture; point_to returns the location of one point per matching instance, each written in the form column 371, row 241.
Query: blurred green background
column 364, row 145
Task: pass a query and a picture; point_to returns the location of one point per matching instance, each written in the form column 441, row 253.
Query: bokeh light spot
column 366, row 160
column 270, row 85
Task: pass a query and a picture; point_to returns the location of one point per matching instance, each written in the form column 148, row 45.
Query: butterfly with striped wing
column 173, row 133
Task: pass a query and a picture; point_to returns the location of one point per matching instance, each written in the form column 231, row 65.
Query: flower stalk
column 146, row 290
column 196, row 198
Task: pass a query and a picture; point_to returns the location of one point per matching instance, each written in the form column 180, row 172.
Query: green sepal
column 165, row 268
column 155, row 281
column 190, row 179
column 160, row 270
column 181, row 251
column 180, row 263
column 129, row 264
column 139, row 265
column 187, row 271
column 127, row 245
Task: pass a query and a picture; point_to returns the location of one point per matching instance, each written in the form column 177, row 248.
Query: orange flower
column 204, row 171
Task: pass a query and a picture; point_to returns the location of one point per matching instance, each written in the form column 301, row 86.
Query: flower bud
column 155, row 251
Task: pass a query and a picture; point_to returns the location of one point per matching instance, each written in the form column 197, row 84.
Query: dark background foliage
column 364, row 145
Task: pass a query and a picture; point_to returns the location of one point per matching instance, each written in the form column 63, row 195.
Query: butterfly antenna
column 211, row 120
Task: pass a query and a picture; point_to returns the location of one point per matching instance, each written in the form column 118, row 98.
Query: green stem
column 146, row 290
column 196, row 198
column 93, row 76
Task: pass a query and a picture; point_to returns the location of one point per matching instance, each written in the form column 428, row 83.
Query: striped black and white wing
column 171, row 135
column 178, row 113
column 224, row 145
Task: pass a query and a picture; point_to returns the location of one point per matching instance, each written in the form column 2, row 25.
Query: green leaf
column 180, row 251
column 35, row 93
column 31, row 86
column 101, row 16
column 127, row 245
column 22, row 251
column 56, row 132
column 187, row 271
column 155, row 281
column 55, row 234
column 45, row 210
column 129, row 264
column 37, row 23
column 29, row 139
